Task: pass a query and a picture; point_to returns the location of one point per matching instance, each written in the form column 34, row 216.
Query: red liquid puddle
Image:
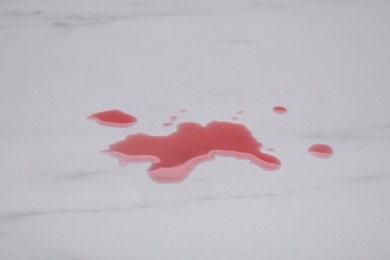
column 280, row 110
column 114, row 118
column 175, row 155
column 321, row 150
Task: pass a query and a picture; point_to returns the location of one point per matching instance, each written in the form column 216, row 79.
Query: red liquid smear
column 175, row 155
column 321, row 150
column 280, row 110
column 114, row 118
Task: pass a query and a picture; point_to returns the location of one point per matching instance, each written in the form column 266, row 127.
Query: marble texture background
column 327, row 61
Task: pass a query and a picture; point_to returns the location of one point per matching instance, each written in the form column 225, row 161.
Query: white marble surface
column 327, row 61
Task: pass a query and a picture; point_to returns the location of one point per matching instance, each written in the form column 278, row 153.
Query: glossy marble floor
column 326, row 61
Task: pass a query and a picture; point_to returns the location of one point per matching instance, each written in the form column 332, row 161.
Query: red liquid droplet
column 280, row 110
column 183, row 110
column 114, row 118
column 175, row 155
column 173, row 119
column 237, row 114
column 321, row 150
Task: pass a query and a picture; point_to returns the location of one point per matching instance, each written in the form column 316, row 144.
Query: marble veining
column 326, row 61
column 20, row 215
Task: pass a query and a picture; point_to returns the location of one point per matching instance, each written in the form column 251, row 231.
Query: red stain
column 114, row 118
column 174, row 156
column 280, row 110
column 321, row 150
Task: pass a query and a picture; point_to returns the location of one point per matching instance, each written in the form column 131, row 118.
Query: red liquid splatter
column 321, row 150
column 280, row 110
column 175, row 155
column 114, row 118
column 183, row 110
